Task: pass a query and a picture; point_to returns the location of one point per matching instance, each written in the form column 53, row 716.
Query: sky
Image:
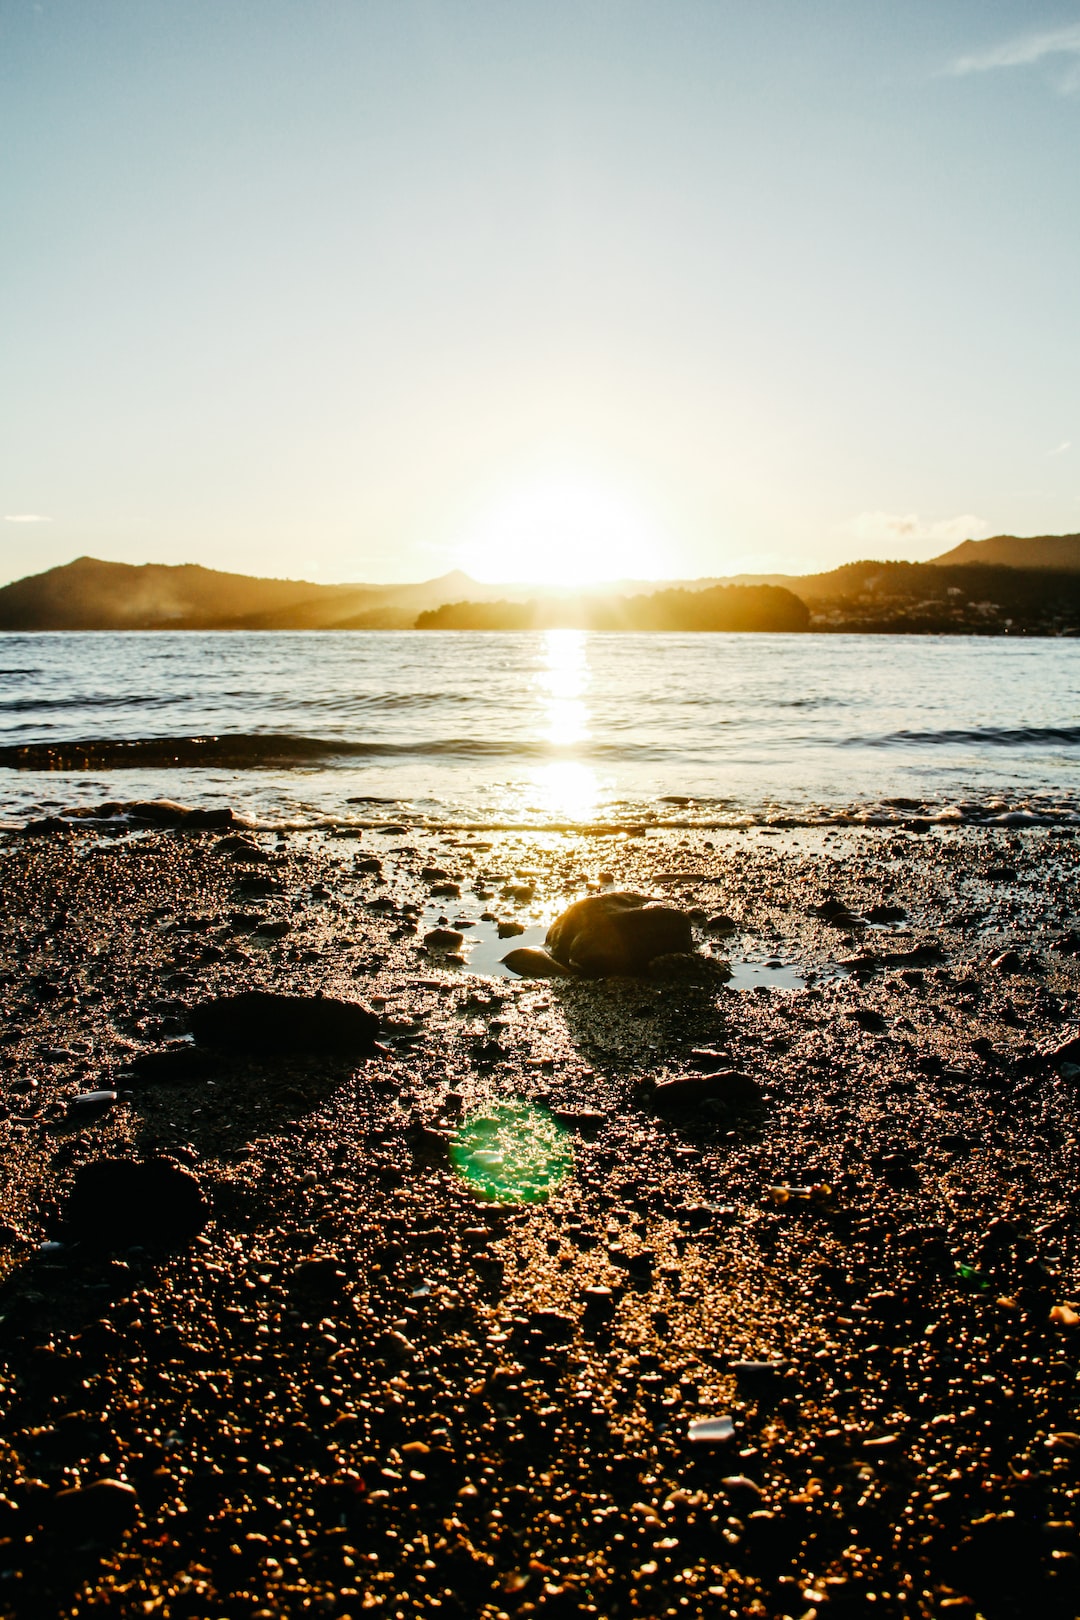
column 545, row 289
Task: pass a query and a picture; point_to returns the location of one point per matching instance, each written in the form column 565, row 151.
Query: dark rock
column 262, row 1021
column 828, row 910
column 255, row 886
column 721, row 924
column 167, row 813
column 46, row 825
column 276, row 928
column 120, row 1203
column 444, row 939
column 618, row 932
column 727, row 1086
column 97, row 1514
column 508, row 929
column 173, row 1064
column 1057, row 1051
column 886, row 914
column 868, row 1019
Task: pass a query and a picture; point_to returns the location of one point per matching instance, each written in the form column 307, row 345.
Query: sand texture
column 344, row 1381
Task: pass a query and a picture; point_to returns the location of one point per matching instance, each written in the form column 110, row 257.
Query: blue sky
column 369, row 289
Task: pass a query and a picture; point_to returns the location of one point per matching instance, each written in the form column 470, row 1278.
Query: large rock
column 264, row 1021
column 96, row 1514
column 618, row 932
column 124, row 1203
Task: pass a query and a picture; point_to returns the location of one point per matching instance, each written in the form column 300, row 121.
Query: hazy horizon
column 551, row 295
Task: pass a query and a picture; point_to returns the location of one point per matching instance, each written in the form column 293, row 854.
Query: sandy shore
column 361, row 1388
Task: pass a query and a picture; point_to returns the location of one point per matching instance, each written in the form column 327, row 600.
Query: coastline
column 360, row 1387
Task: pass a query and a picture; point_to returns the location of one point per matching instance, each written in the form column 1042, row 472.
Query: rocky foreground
column 800, row 1340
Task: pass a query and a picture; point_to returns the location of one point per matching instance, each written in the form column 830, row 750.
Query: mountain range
column 981, row 584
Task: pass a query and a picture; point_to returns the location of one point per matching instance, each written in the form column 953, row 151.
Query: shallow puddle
column 483, row 952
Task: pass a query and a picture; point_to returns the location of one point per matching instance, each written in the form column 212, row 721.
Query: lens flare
column 512, row 1153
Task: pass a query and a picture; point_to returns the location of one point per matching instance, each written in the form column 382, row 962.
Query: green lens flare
column 512, row 1153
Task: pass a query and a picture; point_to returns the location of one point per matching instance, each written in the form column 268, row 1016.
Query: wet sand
column 363, row 1389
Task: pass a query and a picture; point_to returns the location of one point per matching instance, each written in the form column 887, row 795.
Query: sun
column 563, row 529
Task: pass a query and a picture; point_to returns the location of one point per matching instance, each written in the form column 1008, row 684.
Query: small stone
column 721, row 924
column 533, row 963
column 508, row 929
column 444, row 939
column 711, row 1431
column 91, row 1102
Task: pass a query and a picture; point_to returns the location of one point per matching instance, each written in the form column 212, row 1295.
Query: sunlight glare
column 567, row 787
column 562, row 530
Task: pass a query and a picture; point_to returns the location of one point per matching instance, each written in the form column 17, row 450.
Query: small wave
column 26, row 705
column 276, row 751
column 985, row 737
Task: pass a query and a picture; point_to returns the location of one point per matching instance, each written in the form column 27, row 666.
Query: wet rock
column 886, row 914
column 533, row 963
column 45, row 825
column 95, row 1514
column 444, row 939
column 120, row 1203
column 90, row 1103
column 168, row 813
column 711, row 1431
column 255, row 887
column 721, row 924
column 509, row 929
column 620, row 932
column 264, row 1021
column 830, row 909
column 728, row 1086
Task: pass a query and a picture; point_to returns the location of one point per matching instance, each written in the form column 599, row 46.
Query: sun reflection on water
column 567, row 787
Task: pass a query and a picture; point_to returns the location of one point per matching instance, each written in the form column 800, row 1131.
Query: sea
column 547, row 729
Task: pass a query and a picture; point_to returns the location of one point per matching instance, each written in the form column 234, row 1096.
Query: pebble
column 444, row 939
column 89, row 1102
column 710, row 1431
column 533, row 963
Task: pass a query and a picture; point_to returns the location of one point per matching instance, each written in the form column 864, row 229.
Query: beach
column 348, row 1380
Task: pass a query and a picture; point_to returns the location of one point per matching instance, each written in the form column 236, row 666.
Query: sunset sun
column 563, row 529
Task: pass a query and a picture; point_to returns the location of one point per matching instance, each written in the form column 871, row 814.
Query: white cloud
column 896, row 528
column 26, row 517
column 1025, row 51
column 1066, row 444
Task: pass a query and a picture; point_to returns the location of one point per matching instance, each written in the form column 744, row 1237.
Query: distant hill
column 1057, row 551
column 980, row 587
column 935, row 598
column 716, row 607
column 88, row 594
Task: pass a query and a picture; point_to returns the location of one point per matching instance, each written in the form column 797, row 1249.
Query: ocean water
column 539, row 729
